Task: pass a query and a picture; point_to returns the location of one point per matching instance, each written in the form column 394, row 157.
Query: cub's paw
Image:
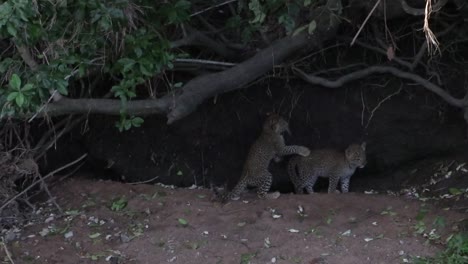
column 303, row 151
column 273, row 195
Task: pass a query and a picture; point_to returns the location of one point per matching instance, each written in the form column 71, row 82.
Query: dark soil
column 164, row 225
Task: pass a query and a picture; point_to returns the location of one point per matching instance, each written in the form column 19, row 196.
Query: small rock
column 44, row 232
column 49, row 219
column 346, row 233
column 68, row 234
column 10, row 236
column 124, row 238
column 273, row 260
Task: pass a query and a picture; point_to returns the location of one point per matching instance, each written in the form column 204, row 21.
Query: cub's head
column 275, row 124
column 356, row 155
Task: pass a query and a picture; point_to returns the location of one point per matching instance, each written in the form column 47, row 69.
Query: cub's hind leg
column 333, row 183
column 310, row 182
column 238, row 189
column 264, row 184
column 345, row 184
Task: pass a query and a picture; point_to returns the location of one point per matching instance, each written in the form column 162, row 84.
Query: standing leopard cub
column 269, row 145
column 335, row 165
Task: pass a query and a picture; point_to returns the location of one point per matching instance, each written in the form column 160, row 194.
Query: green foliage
column 127, row 123
column 127, row 41
column 455, row 253
column 119, row 204
column 69, row 39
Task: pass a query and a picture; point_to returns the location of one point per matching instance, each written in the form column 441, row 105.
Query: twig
column 383, row 52
column 211, row 7
column 380, row 103
column 43, row 178
column 431, row 39
column 51, row 131
column 206, row 62
column 67, row 128
column 27, row 57
column 72, row 172
column 461, row 103
column 365, row 21
column 52, row 96
column 46, row 188
column 143, row 182
column 419, row 55
column 7, row 252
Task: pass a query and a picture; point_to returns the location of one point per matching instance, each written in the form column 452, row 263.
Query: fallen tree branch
column 461, row 103
column 106, row 106
column 203, row 87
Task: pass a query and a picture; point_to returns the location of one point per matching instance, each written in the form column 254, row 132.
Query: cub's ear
column 363, row 145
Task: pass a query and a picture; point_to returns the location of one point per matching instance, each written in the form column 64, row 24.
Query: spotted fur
column 329, row 163
column 270, row 145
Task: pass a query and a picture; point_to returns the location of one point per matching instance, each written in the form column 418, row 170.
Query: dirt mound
column 121, row 223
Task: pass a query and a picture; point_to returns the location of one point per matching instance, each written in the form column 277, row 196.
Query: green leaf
column 15, row 82
column 138, row 52
column 11, row 29
column 20, row 99
column 137, row 121
column 128, row 125
column 62, row 87
column 299, row 30
column 178, row 85
column 455, row 191
column 95, row 235
column 119, row 204
column 12, row 96
column 312, row 27
column 27, row 87
column 182, row 221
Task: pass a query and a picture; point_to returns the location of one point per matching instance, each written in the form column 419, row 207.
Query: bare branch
column 421, row 11
column 461, row 103
column 27, row 57
column 211, row 7
column 365, row 21
column 383, row 52
column 41, row 180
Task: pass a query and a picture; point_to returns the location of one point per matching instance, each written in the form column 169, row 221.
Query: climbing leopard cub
column 335, row 165
column 269, row 145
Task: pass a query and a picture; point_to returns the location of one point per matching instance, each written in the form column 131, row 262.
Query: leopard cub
column 336, row 165
column 269, row 146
